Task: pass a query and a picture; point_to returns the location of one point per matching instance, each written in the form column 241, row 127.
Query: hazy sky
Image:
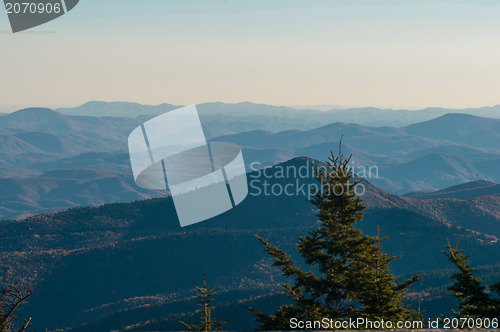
column 284, row 52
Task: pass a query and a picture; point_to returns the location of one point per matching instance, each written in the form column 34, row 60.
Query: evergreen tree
column 474, row 300
column 352, row 277
column 207, row 323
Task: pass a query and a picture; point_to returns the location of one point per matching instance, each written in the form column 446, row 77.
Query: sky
column 395, row 54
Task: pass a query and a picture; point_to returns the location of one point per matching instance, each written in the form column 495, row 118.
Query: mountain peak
column 452, row 117
column 34, row 111
column 469, row 129
column 461, row 116
column 36, row 118
column 31, row 114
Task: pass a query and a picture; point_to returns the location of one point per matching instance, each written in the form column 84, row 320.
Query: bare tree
column 10, row 299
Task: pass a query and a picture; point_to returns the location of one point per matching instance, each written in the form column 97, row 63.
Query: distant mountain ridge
column 44, row 119
column 467, row 190
column 117, row 109
column 432, row 155
column 435, row 170
column 368, row 116
column 451, row 149
column 58, row 190
column 34, row 125
column 460, row 128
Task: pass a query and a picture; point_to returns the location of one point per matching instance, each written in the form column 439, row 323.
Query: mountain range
column 279, row 116
column 432, row 155
column 119, row 251
column 62, row 189
column 417, row 157
column 42, row 134
column 124, row 264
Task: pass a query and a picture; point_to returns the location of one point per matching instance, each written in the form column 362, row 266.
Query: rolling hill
column 62, row 189
column 467, row 190
column 40, row 135
column 116, row 109
column 417, row 157
column 474, row 205
column 431, row 171
column 460, row 128
column 47, row 120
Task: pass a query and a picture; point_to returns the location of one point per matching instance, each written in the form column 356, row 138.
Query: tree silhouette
column 207, row 323
column 474, row 300
column 10, row 299
column 349, row 276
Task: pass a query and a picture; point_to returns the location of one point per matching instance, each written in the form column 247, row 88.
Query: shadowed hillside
column 106, row 255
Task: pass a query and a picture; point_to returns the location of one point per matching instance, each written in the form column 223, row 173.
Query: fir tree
column 474, row 300
column 351, row 276
column 207, row 323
